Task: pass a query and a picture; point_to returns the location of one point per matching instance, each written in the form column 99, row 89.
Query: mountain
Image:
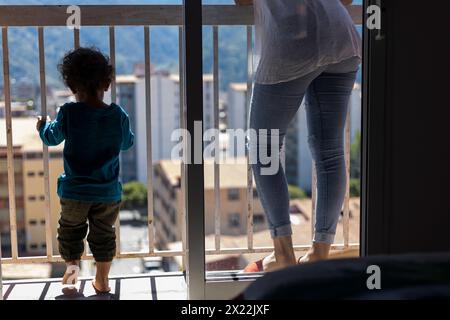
column 23, row 44
column 129, row 46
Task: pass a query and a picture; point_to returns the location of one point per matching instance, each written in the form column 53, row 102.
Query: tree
column 134, row 195
column 355, row 187
column 355, row 157
column 296, row 192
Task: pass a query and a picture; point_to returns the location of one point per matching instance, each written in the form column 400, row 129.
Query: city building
column 237, row 106
column 4, row 196
column 296, row 154
column 236, row 116
column 29, row 179
column 300, row 216
column 355, row 111
column 168, row 201
column 60, row 97
column 165, row 113
column 18, row 109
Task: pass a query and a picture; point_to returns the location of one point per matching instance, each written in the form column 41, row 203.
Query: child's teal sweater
column 93, row 139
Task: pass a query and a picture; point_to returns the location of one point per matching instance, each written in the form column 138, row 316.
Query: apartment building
column 237, row 115
column 4, row 196
column 29, row 178
column 298, row 155
column 237, row 106
column 168, row 201
column 165, row 112
column 298, row 160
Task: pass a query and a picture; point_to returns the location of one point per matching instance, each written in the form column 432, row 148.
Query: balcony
column 169, row 285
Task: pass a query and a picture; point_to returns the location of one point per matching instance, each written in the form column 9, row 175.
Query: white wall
column 355, row 112
column 304, row 155
column 237, row 109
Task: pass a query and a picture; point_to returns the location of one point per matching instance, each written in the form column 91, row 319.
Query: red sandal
column 256, row 266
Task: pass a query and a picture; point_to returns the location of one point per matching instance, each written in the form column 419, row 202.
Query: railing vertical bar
column 182, row 126
column 346, row 217
column 313, row 198
column 1, row 275
column 43, row 87
column 217, row 214
column 194, row 168
column 112, row 56
column 148, row 115
column 76, row 38
column 76, row 45
column 9, row 144
column 249, row 167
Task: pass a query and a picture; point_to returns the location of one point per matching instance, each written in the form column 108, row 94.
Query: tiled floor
column 162, row 286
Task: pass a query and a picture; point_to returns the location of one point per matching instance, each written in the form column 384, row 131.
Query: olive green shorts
column 76, row 217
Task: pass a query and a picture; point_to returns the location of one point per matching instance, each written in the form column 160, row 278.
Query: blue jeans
column 274, row 106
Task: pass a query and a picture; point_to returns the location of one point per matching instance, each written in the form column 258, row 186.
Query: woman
column 306, row 48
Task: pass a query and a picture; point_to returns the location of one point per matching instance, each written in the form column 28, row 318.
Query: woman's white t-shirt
column 295, row 37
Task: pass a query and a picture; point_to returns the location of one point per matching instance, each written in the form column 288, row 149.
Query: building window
column 31, row 174
column 31, row 198
column 43, row 246
column 32, row 222
column 41, row 173
column 34, row 155
column 234, row 220
column 43, row 221
column 55, row 155
column 255, row 193
column 42, row 198
column 233, row 194
column 258, row 219
column 33, row 246
column 4, row 203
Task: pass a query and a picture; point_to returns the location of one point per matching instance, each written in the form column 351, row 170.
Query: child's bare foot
column 101, row 286
column 319, row 251
column 101, row 282
column 70, row 277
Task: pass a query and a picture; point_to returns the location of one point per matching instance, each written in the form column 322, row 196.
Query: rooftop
column 25, row 135
column 301, row 225
column 132, row 78
column 238, row 86
column 233, row 172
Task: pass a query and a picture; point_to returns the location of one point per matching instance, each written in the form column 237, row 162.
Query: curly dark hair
column 86, row 70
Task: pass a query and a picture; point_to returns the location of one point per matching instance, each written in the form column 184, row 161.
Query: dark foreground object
column 400, row 277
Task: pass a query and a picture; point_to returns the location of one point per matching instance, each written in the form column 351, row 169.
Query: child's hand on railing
column 41, row 121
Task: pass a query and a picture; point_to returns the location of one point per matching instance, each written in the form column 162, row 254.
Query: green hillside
column 129, row 46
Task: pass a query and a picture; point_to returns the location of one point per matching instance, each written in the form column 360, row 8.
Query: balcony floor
column 154, row 286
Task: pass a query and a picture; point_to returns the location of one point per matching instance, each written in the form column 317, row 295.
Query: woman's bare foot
column 101, row 281
column 269, row 263
column 319, row 251
column 282, row 257
column 284, row 251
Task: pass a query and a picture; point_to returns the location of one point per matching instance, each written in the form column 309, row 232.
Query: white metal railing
column 145, row 17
